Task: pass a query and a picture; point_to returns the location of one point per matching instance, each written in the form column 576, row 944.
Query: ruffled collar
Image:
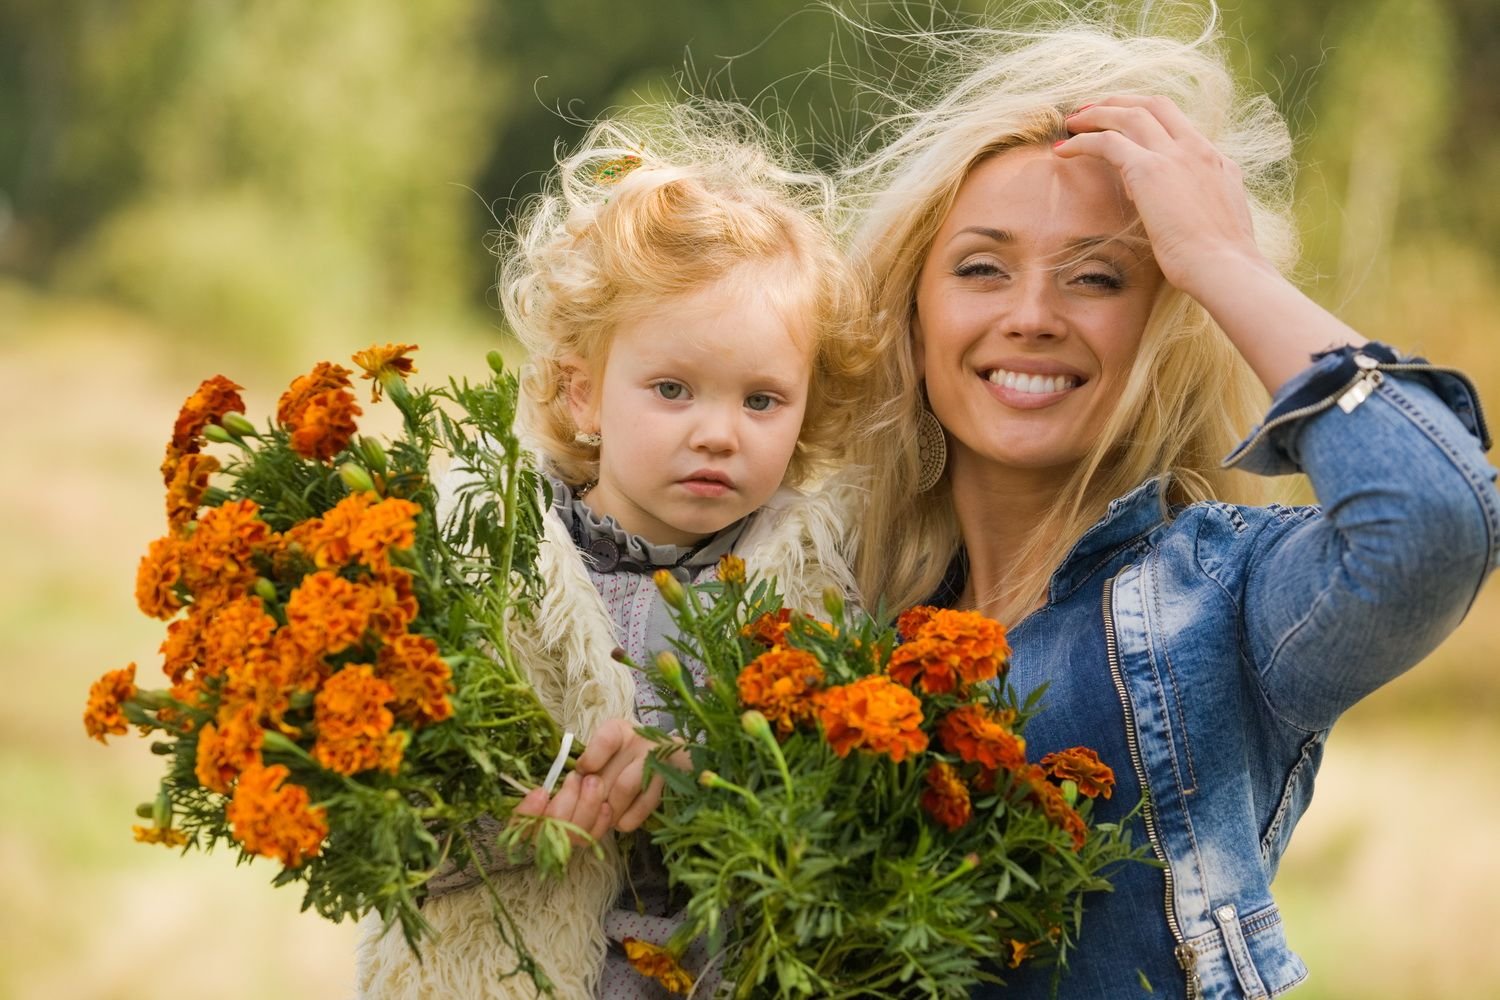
column 612, row 549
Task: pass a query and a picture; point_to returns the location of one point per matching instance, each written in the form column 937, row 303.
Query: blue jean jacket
column 1234, row 637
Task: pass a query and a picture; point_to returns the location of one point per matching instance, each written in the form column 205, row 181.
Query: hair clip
column 611, row 171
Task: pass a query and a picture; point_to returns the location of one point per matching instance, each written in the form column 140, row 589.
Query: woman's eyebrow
column 998, row 235
column 1137, row 245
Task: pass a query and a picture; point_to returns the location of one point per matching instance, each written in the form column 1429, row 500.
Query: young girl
column 686, row 314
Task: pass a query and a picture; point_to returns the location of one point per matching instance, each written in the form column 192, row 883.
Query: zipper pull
column 1187, row 958
column 1359, row 390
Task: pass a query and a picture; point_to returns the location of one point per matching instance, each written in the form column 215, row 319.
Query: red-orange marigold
column 1050, row 798
column 769, row 629
column 658, row 963
column 1083, row 767
column 156, row 578
column 227, row 749
column 873, row 714
column 911, row 620
column 185, row 488
column 325, row 425
column 419, row 678
column 235, row 632
column 381, row 363
column 274, row 819
column 946, row 798
column 104, row 714
column 977, row 736
column 780, row 683
column 328, row 614
column 353, row 723
column 324, row 377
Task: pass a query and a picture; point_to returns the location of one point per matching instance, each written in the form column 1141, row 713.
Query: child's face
column 699, row 406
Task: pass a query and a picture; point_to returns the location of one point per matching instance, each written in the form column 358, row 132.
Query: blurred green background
column 199, row 186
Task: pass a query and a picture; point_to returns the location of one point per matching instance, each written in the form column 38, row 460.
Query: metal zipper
column 1356, row 391
column 1187, row 958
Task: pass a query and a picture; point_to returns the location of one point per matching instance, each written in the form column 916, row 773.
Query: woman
column 1077, row 250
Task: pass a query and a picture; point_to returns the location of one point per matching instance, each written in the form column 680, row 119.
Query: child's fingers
column 602, row 823
column 565, row 802
column 604, row 744
column 533, row 803
column 645, row 803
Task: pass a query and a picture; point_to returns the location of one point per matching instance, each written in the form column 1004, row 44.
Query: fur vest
column 799, row 539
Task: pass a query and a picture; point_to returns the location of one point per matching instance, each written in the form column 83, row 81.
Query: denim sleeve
column 1337, row 604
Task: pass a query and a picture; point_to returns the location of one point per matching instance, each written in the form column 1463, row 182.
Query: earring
column 588, row 439
column 932, row 450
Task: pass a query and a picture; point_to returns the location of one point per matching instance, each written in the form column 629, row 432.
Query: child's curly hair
column 666, row 203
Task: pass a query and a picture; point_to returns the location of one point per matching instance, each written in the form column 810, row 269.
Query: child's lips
column 706, row 483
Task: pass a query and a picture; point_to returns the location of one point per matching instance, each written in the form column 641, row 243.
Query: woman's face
column 1030, row 307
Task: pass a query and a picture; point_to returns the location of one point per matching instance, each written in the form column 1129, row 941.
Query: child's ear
column 578, row 386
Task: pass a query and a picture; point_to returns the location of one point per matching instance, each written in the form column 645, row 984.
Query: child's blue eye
column 670, row 390
column 759, row 401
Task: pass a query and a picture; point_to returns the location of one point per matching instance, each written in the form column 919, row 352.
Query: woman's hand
column 1191, row 200
column 1190, row 197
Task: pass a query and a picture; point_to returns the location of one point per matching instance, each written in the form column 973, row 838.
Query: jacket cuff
column 1269, row 450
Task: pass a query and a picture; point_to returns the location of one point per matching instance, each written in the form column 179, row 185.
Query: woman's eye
column 760, row 402
column 1101, row 279
column 978, row 269
column 670, row 390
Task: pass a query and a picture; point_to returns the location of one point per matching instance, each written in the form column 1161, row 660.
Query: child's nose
column 715, row 430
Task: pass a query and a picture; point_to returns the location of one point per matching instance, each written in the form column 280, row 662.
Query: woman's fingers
column 1135, row 121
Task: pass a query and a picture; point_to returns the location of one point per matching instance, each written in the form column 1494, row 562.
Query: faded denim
column 1236, row 636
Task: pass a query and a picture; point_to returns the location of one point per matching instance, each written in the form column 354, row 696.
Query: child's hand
column 616, row 755
column 580, row 800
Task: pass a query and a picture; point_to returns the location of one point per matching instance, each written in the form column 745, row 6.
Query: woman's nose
column 1034, row 308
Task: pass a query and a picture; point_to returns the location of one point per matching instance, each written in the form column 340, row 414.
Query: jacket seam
column 1285, row 804
column 1166, row 654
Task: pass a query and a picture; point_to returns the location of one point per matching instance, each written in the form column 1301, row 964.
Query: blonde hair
column 674, row 200
column 1189, row 396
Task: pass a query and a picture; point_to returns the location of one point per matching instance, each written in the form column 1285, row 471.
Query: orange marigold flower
column 947, row 797
column 769, row 629
column 731, row 569
column 658, row 963
column 1083, row 767
column 389, row 524
column 1050, row 798
column 183, row 647
column 354, row 724
column 156, row 579
column 166, row 836
column 780, row 683
column 328, row 614
column 104, row 715
column 978, row 736
column 1020, row 951
column 233, row 633
column 386, row 362
column 273, row 818
column 325, row 425
column 227, row 749
column 912, row 619
column 929, row 663
column 324, row 377
column 873, row 714
column 395, row 602
column 185, row 488
column 213, row 398
column 420, row 678
column 218, row 558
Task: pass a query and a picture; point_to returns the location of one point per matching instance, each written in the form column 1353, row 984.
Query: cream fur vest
column 566, row 650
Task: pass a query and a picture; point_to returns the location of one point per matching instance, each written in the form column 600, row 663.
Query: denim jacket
column 1235, row 636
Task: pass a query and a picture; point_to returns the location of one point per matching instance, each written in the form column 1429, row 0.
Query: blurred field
column 248, row 188
column 1388, row 886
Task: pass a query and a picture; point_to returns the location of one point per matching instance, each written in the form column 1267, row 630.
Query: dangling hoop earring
column 587, row 439
column 932, row 450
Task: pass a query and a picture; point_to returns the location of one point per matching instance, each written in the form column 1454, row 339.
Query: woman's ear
column 578, row 386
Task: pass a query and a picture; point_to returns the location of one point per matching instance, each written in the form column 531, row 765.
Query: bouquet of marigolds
column 339, row 694
column 860, row 818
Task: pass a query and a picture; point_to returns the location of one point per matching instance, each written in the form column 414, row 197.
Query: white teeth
column 1036, row 384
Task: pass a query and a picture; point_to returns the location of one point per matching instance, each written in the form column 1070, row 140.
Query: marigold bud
column 236, row 424
column 145, row 809
column 373, row 453
column 161, row 749
column 732, row 569
column 756, row 724
column 833, row 603
column 265, row 589
column 669, row 666
column 496, row 362
column 671, row 589
column 161, row 810
column 1070, row 791
column 708, row 779
column 356, row 478
column 217, row 434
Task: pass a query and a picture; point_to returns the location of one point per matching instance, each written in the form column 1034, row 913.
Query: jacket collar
column 1123, row 526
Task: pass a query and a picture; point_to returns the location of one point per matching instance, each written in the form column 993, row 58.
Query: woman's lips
column 1030, row 390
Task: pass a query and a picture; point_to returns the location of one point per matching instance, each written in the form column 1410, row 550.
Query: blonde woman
column 1078, row 244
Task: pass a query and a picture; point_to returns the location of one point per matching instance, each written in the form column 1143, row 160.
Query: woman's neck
column 999, row 511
